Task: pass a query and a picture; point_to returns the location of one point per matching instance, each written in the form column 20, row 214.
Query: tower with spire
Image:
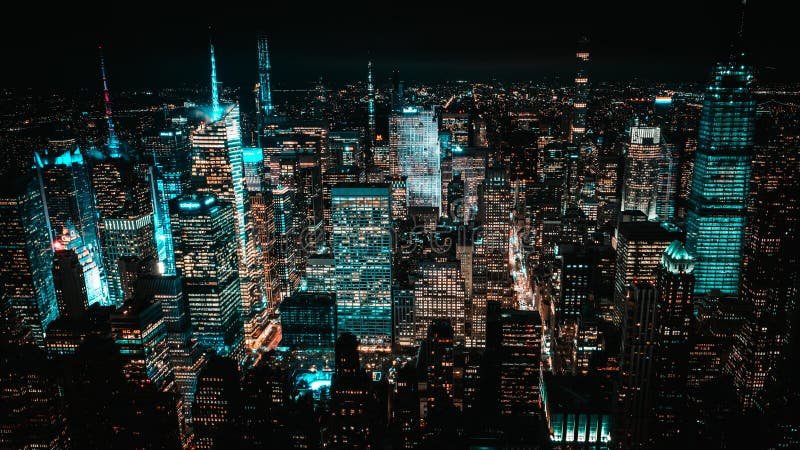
column 581, row 100
column 715, row 222
column 216, row 111
column 370, row 106
column 113, row 142
column 264, row 69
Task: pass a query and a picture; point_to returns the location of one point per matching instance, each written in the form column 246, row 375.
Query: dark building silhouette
column 70, row 288
column 308, row 320
column 217, row 405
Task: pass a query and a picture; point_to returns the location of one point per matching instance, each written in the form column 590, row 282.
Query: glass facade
column 71, row 210
column 26, row 257
column 720, row 182
column 641, row 170
column 128, row 235
column 205, row 255
column 440, row 293
column 362, row 252
column 415, row 140
column 218, row 168
column 169, row 178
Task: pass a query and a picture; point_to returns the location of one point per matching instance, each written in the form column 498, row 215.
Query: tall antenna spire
column 370, row 105
column 113, row 142
column 741, row 20
column 737, row 46
column 214, row 92
column 264, row 69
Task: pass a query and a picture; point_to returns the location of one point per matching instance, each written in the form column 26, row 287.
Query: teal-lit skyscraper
column 362, row 252
column 168, row 177
column 203, row 229
column 70, row 207
column 26, row 256
column 718, row 199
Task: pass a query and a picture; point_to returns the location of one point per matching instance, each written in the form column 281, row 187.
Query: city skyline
column 385, row 262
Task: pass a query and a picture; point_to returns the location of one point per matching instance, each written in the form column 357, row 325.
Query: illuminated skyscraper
column 769, row 286
column 399, row 188
column 259, row 191
column 440, row 294
column 575, row 282
column 185, row 356
column 667, row 183
column 139, row 330
column 320, row 271
column 675, row 284
column 345, row 148
column 308, row 321
column 205, row 254
column 641, row 170
column 126, row 217
column 414, row 138
column 336, row 175
column 71, row 207
column 165, row 250
column 285, row 242
column 581, row 100
column 218, row 168
column 217, row 405
column 168, row 178
column 362, row 251
column 515, row 337
column 491, row 254
column 26, row 256
column 119, row 189
column 471, row 164
column 129, row 233
column 715, row 221
column 640, row 247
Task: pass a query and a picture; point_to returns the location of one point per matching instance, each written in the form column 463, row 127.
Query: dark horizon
column 663, row 41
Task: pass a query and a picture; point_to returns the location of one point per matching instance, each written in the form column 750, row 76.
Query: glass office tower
column 720, row 182
column 218, row 168
column 26, row 256
column 362, row 251
column 415, row 140
column 70, row 203
column 641, row 170
column 203, row 228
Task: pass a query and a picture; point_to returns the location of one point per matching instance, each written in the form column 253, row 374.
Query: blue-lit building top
column 70, row 208
column 720, row 181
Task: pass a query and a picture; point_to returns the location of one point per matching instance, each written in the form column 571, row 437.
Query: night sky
column 155, row 47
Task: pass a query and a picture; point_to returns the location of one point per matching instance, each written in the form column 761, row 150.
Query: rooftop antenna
column 370, row 104
column 264, row 69
column 214, row 89
column 113, row 141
